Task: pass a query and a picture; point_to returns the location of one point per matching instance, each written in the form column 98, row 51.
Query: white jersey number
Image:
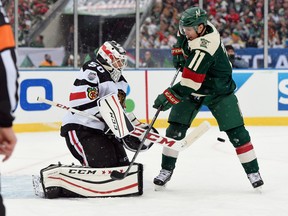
column 97, row 65
column 198, row 57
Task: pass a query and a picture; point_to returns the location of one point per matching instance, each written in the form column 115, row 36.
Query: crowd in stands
column 240, row 22
column 29, row 12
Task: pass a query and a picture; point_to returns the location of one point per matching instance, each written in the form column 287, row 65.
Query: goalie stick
column 177, row 145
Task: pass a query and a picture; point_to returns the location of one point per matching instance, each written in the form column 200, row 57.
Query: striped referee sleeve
column 8, row 72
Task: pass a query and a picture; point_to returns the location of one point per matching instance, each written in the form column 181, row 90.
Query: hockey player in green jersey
column 206, row 80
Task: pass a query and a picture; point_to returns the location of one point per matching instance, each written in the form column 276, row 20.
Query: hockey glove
column 132, row 143
column 167, row 99
column 178, row 58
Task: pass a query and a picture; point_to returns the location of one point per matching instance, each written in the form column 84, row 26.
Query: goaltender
column 93, row 142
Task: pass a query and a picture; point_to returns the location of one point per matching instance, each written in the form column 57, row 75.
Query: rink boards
column 262, row 94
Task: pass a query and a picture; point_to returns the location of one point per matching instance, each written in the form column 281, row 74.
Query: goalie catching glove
column 132, row 143
column 167, row 99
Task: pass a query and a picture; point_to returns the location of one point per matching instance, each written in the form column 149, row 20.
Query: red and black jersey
column 8, row 71
column 92, row 83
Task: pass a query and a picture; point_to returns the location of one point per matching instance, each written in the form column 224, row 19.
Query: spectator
column 273, row 38
column 226, row 38
column 149, row 27
column 91, row 56
column 164, row 44
column 236, row 41
column 156, row 11
column 251, row 42
column 148, row 61
column 38, row 42
column 245, row 21
column 242, row 30
column 260, row 42
column 70, row 61
column 30, row 12
column 169, row 11
column 47, row 61
column 172, row 32
column 236, row 61
column 69, row 47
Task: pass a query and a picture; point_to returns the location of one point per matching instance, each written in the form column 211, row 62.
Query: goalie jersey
column 92, row 83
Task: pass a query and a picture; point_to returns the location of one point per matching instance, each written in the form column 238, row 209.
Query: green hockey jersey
column 207, row 70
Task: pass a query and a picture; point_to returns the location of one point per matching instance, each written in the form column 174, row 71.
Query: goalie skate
column 161, row 180
column 37, row 186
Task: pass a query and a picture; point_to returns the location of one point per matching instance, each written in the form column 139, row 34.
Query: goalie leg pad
column 77, row 181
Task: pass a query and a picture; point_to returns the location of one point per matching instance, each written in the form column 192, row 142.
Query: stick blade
column 115, row 175
column 196, row 134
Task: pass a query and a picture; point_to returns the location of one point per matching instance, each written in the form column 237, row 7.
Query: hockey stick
column 116, row 175
column 61, row 106
column 177, row 145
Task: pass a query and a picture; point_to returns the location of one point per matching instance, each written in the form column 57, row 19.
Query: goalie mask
column 113, row 57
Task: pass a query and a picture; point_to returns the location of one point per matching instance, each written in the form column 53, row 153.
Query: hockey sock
column 247, row 157
column 240, row 139
column 168, row 163
column 251, row 167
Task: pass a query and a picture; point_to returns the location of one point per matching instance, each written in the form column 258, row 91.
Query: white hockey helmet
column 113, row 57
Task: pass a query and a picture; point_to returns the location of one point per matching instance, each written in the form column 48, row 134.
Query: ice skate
column 256, row 180
column 161, row 180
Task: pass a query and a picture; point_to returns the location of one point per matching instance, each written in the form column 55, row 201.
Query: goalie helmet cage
column 58, row 191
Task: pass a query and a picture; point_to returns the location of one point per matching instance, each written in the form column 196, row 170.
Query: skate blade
column 259, row 190
column 159, row 187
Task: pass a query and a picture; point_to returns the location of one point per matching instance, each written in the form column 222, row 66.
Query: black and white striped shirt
column 8, row 72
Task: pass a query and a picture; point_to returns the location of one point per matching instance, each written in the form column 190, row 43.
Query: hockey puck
column 220, row 139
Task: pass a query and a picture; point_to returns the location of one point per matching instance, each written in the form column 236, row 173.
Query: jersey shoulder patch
column 209, row 42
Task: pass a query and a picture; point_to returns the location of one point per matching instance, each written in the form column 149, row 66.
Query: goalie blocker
column 59, row 180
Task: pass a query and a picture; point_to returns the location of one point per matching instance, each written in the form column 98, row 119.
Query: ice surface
column 208, row 179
